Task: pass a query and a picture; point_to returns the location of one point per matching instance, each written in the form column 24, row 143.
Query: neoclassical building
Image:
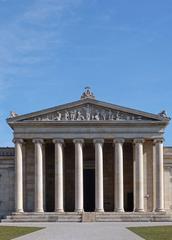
column 87, row 161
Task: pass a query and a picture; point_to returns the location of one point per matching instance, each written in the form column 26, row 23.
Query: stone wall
column 108, row 178
column 7, row 194
column 168, row 178
column 128, row 176
column 29, row 176
column 69, row 177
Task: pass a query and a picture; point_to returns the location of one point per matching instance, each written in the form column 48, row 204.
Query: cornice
column 89, row 124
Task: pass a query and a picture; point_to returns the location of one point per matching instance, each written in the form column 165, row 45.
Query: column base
column 139, row 210
column 120, row 210
column 59, row 211
column 159, row 210
column 99, row 210
column 79, row 210
column 39, row 211
column 18, row 211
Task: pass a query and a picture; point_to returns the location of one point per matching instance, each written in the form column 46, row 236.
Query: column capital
column 18, row 140
column 98, row 140
column 118, row 140
column 38, row 140
column 58, row 140
column 138, row 140
column 78, row 140
column 158, row 140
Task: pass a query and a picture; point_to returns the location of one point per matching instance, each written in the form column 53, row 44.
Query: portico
column 62, row 152
column 117, row 177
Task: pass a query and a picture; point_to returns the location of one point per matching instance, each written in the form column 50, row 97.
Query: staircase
column 43, row 217
column 133, row 217
column 89, row 217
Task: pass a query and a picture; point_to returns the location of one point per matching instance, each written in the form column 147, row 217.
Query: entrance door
column 130, row 206
column 89, row 190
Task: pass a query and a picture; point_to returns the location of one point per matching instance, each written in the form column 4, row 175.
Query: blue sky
column 51, row 49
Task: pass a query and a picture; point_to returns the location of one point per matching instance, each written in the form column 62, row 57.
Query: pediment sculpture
column 13, row 114
column 88, row 113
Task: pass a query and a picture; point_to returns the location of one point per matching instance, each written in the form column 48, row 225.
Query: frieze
column 87, row 113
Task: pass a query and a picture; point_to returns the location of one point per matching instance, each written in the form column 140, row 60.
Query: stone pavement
column 83, row 231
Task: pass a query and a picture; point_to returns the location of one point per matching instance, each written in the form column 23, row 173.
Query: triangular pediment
column 88, row 110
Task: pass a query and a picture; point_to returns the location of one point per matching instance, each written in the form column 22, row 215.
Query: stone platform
column 89, row 217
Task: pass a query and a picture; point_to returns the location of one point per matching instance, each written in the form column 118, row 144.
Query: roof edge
column 84, row 101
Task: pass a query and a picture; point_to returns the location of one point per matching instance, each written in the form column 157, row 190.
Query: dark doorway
column 130, row 206
column 89, row 190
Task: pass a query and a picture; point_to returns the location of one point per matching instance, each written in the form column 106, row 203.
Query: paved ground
column 83, row 231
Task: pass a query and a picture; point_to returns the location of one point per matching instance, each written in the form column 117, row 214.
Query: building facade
column 91, row 159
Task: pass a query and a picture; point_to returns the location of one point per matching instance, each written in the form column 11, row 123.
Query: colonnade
column 79, row 199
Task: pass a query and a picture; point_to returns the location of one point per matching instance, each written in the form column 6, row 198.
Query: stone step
column 89, row 217
column 134, row 217
column 43, row 216
column 46, row 214
column 47, row 217
column 40, row 220
column 134, row 214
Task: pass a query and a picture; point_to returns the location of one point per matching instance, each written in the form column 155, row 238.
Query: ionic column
column 139, row 185
column 59, row 205
column 119, row 185
column 38, row 175
column 79, row 206
column 159, row 175
column 154, row 177
column 18, row 175
column 99, row 174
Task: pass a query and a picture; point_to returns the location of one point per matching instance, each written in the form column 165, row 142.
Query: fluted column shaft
column 38, row 175
column 18, row 175
column 119, row 185
column 79, row 206
column 99, row 174
column 159, row 175
column 59, row 205
column 139, row 191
